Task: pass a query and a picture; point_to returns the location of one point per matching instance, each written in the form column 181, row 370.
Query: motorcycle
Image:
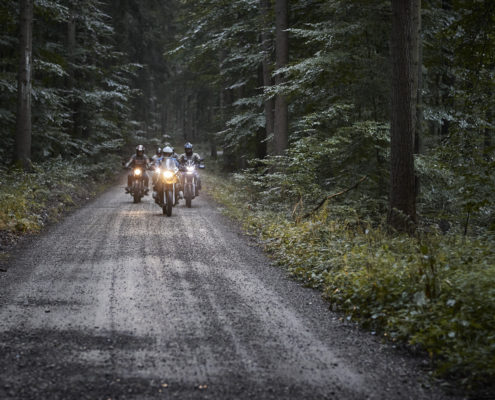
column 191, row 189
column 137, row 189
column 167, row 181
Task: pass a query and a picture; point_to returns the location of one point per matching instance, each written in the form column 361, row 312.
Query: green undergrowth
column 434, row 292
column 29, row 200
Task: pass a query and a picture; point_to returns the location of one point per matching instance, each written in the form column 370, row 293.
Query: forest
column 354, row 138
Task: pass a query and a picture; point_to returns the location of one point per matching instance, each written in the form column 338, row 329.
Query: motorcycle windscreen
column 169, row 163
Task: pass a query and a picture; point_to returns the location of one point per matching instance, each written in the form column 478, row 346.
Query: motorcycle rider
column 158, row 157
column 168, row 152
column 190, row 155
column 138, row 160
column 174, row 154
column 156, row 161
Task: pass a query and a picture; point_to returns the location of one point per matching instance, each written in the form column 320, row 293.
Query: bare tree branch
column 335, row 195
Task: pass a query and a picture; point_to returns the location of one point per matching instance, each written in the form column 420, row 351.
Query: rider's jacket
column 157, row 160
column 195, row 157
column 138, row 161
column 176, row 162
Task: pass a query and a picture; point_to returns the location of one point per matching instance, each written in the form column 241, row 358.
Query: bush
column 29, row 199
column 440, row 296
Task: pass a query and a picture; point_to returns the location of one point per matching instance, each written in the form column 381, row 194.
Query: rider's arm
column 130, row 162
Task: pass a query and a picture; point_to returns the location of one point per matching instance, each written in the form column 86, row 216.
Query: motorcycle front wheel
column 136, row 192
column 167, row 207
column 188, row 195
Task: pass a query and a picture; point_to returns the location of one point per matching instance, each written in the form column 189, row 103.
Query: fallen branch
column 335, row 195
column 299, row 203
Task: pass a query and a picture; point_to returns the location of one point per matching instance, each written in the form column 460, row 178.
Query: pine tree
column 23, row 128
column 404, row 50
column 281, row 123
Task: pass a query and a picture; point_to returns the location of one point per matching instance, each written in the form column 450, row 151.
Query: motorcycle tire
column 169, row 203
column 188, row 195
column 137, row 198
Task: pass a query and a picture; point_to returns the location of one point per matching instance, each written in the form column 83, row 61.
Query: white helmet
column 167, row 151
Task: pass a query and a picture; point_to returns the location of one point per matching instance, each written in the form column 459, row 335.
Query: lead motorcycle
column 167, row 181
column 190, row 177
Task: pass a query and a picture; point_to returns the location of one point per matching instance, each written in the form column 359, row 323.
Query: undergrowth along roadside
column 436, row 292
column 29, row 200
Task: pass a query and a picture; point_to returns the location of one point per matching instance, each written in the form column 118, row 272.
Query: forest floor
column 31, row 201
column 118, row 301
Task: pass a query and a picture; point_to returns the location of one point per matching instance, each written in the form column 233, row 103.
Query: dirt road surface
column 121, row 302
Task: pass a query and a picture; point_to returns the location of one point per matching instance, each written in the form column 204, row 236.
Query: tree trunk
column 281, row 139
column 211, row 135
column 22, row 152
column 404, row 50
column 487, row 138
column 183, row 118
column 265, row 7
column 74, row 104
column 164, row 120
column 447, row 79
column 418, row 65
column 261, row 133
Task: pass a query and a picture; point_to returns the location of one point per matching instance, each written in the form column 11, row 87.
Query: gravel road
column 121, row 302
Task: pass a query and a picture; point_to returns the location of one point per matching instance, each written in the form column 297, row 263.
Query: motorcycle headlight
column 137, row 172
column 168, row 174
column 190, row 170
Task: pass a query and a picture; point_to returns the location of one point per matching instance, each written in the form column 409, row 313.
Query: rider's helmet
column 159, row 151
column 167, row 151
column 140, row 150
column 188, row 148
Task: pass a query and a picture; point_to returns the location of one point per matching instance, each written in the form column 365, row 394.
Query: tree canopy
column 107, row 73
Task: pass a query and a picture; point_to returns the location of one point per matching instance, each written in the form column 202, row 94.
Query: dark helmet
column 167, row 151
column 140, row 150
column 188, row 148
column 159, row 151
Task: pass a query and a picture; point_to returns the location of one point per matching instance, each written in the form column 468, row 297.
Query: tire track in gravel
column 118, row 301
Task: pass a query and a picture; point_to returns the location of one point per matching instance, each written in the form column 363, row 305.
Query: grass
column 30, row 200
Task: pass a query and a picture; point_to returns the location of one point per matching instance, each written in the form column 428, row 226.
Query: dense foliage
column 338, row 89
column 30, row 200
column 81, row 86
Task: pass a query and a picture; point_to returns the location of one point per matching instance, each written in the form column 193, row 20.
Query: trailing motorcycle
column 166, row 184
column 190, row 180
column 137, row 189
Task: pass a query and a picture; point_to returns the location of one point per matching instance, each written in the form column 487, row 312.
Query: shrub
column 29, row 199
